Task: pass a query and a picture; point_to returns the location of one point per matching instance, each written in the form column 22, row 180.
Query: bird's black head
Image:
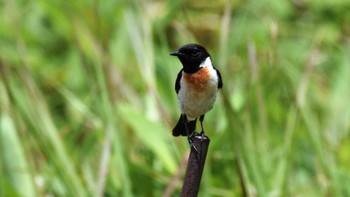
column 191, row 56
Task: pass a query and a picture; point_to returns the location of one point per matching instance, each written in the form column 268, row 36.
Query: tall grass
column 88, row 101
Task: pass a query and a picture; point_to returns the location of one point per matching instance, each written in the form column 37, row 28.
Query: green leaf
column 14, row 163
column 151, row 133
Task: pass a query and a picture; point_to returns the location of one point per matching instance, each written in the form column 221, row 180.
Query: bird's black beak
column 176, row 53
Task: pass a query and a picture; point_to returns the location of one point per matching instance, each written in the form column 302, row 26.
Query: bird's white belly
column 195, row 103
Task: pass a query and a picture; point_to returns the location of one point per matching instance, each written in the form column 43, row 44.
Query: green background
column 88, row 102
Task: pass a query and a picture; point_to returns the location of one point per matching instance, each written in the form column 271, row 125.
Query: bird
column 197, row 85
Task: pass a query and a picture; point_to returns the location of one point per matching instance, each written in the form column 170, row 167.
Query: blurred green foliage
column 88, row 102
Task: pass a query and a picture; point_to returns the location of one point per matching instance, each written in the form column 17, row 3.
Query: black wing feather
column 177, row 82
column 220, row 80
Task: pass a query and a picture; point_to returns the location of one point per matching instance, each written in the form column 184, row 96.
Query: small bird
column 196, row 86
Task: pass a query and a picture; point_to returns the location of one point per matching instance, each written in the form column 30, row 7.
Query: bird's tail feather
column 180, row 128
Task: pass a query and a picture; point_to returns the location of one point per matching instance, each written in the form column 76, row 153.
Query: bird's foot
column 190, row 140
column 202, row 133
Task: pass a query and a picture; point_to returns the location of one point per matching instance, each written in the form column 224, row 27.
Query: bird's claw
column 190, row 140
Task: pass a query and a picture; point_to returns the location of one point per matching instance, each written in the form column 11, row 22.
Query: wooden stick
column 195, row 166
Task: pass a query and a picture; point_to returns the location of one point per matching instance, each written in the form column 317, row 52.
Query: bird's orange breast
column 199, row 79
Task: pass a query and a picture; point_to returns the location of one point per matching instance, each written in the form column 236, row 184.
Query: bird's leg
column 201, row 118
column 189, row 135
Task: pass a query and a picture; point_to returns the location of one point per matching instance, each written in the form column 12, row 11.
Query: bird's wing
column 177, row 82
column 220, row 80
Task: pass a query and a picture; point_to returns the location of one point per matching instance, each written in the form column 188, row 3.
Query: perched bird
column 196, row 86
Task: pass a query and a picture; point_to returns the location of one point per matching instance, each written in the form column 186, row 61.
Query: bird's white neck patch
column 206, row 62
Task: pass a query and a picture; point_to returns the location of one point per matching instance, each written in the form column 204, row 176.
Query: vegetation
column 88, row 102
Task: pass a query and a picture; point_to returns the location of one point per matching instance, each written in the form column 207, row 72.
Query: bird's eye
column 195, row 53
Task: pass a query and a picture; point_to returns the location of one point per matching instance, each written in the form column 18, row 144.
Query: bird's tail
column 180, row 128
